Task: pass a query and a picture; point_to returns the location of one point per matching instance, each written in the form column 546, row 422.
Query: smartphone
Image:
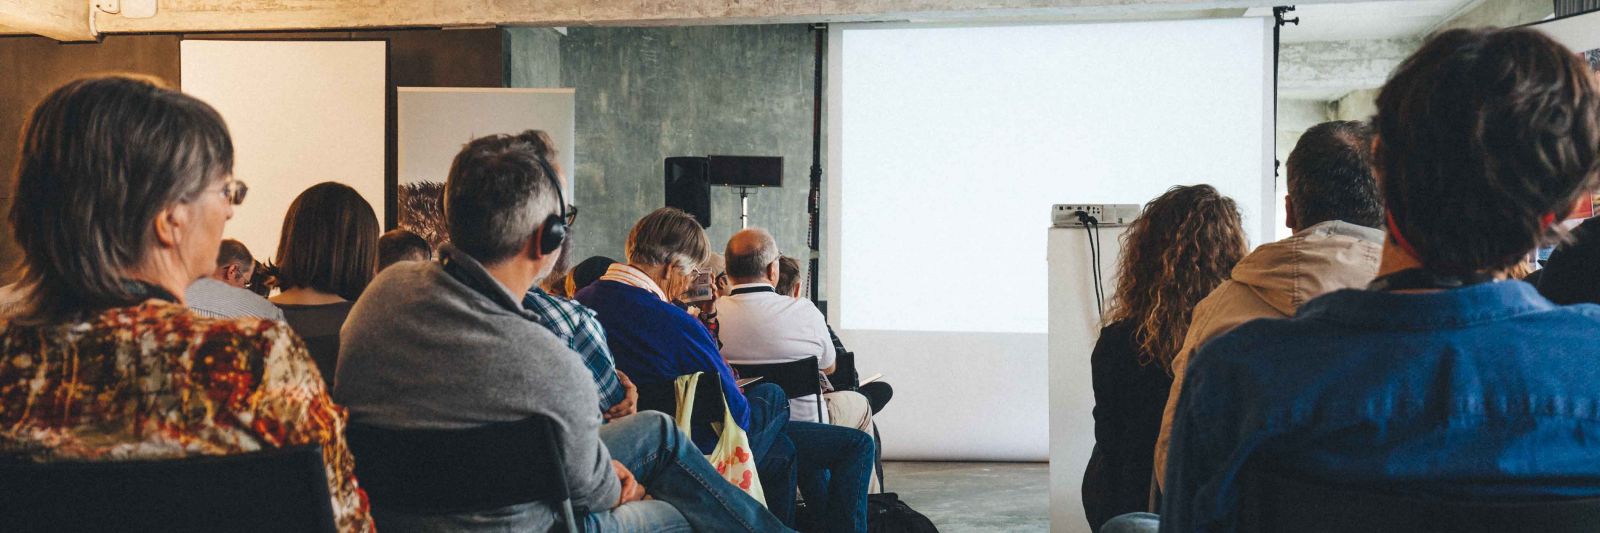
column 701, row 290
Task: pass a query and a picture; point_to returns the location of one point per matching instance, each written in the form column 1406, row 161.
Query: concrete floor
column 975, row 497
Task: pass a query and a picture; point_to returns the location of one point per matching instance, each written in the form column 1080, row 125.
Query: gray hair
column 497, row 194
column 668, row 236
column 753, row 261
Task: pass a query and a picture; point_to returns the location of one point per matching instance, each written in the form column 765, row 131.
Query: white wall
column 301, row 113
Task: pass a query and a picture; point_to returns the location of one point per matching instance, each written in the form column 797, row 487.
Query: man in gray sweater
column 447, row 345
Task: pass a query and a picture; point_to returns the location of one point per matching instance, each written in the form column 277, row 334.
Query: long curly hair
column 1183, row 246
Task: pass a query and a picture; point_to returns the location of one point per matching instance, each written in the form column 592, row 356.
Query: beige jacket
column 1272, row 282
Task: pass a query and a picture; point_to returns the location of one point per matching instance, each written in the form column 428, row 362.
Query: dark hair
column 498, row 194
column 1330, row 176
column 99, row 159
column 329, row 242
column 587, row 272
column 1483, row 135
column 401, row 244
column 233, row 252
column 788, row 274
column 1183, row 245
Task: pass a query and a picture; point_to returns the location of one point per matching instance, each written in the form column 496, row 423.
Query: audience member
column 655, row 342
column 447, row 344
column 1175, row 253
column 327, row 253
column 1334, row 210
column 223, row 293
column 761, row 326
column 586, row 273
column 1572, row 274
column 123, row 189
column 877, row 392
column 401, row 244
column 1441, row 378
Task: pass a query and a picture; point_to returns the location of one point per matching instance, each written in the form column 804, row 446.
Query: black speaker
column 689, row 186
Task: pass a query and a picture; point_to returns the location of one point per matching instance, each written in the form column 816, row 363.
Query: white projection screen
column 301, row 113
column 948, row 144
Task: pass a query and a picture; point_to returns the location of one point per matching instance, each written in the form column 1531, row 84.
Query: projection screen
column 947, row 146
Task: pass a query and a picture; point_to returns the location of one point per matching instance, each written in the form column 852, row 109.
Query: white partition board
column 301, row 113
column 435, row 122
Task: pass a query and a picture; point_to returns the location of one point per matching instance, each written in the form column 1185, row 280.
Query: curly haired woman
column 1181, row 248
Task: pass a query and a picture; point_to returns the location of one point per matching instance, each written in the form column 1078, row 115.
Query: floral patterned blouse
column 157, row 381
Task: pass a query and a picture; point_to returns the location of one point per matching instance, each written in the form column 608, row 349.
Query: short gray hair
column 668, row 236
column 753, row 262
column 498, row 192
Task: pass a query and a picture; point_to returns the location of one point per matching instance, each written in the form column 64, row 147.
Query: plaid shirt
column 577, row 325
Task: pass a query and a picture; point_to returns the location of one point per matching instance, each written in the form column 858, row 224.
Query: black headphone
column 549, row 236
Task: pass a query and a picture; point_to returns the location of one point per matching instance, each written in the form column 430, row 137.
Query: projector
column 1066, row 215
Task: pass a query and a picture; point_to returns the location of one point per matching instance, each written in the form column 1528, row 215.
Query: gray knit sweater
column 423, row 350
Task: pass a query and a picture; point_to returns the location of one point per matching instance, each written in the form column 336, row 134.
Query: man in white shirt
column 222, row 294
column 760, row 326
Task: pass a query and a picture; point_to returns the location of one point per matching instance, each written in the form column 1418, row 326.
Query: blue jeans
column 1132, row 523
column 674, row 471
column 835, row 464
column 774, row 453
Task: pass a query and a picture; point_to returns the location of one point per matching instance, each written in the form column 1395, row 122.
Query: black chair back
column 663, row 397
column 1274, row 502
column 798, row 379
column 278, row 490
column 456, row 471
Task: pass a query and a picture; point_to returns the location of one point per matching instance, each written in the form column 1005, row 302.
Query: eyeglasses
column 572, row 214
column 234, row 191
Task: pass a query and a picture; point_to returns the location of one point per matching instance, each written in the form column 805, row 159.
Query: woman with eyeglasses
column 327, row 253
column 123, row 189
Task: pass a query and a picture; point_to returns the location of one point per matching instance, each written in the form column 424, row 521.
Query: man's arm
column 589, row 340
column 828, row 361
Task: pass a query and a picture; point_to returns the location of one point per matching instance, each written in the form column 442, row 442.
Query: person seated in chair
column 447, row 344
column 761, row 326
column 878, row 393
column 1442, row 378
column 223, row 293
column 401, row 244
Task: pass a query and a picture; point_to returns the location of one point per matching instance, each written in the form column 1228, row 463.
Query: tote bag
column 732, row 456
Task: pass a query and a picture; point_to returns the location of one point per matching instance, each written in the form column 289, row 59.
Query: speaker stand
column 744, row 207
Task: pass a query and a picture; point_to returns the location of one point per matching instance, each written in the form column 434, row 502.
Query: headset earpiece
column 550, row 234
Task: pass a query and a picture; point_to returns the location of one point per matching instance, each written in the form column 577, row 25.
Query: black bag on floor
column 887, row 514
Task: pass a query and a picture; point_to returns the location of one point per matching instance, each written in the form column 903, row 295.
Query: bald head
column 751, row 254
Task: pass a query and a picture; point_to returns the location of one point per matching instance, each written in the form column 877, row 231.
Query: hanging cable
column 1091, row 231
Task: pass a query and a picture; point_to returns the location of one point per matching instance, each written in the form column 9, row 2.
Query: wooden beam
column 62, row 20
column 278, row 15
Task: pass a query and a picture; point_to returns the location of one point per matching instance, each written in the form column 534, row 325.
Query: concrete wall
column 533, row 57
column 644, row 94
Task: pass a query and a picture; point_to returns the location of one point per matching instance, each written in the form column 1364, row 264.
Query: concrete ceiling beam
column 280, row 15
column 62, row 20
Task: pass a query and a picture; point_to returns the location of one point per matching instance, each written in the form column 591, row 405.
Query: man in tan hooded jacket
column 1334, row 210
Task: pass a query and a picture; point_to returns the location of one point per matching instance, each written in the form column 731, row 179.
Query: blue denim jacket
column 1488, row 391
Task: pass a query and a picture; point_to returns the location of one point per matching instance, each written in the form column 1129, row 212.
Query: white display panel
column 949, row 144
column 301, row 113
